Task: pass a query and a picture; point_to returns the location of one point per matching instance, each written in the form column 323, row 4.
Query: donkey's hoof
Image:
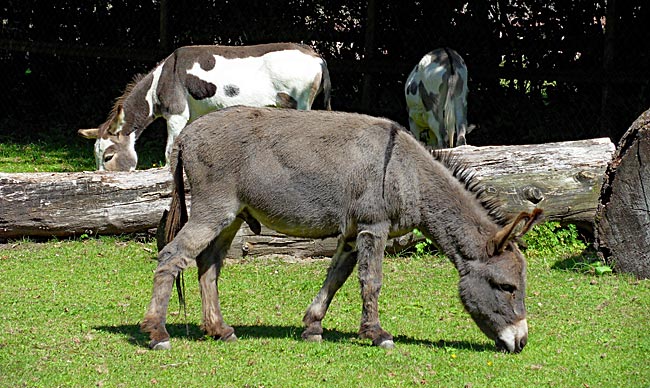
column 162, row 345
column 230, row 338
column 313, row 337
column 387, row 344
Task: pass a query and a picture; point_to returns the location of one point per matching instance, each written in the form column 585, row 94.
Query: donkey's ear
column 115, row 125
column 91, row 133
column 534, row 218
column 498, row 243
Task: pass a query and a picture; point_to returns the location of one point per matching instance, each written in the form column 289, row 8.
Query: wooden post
column 369, row 54
column 609, row 53
column 164, row 27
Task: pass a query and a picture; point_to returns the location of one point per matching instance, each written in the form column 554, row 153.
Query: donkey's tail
column 176, row 218
column 450, row 109
column 326, row 86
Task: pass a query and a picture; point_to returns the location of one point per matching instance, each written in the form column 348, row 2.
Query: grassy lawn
column 69, row 314
column 44, row 157
column 58, row 154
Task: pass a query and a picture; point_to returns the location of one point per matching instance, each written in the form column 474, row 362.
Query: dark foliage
column 539, row 70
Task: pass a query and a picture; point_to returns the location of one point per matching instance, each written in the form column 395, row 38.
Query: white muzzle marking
column 512, row 335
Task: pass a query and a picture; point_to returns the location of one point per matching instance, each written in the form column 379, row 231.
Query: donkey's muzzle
column 513, row 338
column 518, row 345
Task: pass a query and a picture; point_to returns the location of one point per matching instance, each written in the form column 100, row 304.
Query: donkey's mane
column 467, row 176
column 119, row 102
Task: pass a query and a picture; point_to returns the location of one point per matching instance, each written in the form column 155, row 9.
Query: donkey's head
column 115, row 138
column 493, row 289
column 113, row 152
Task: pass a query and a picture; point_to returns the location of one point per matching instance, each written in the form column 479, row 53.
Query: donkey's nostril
column 521, row 344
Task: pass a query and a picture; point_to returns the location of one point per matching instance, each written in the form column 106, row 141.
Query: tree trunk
column 369, row 53
column 622, row 225
column 562, row 178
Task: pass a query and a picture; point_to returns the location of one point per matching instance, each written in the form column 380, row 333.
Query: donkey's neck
column 452, row 216
column 139, row 108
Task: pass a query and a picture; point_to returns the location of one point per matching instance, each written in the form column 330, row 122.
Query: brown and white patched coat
column 195, row 80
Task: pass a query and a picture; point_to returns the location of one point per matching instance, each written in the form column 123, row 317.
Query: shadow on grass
column 571, row 263
column 136, row 337
column 194, row 332
column 442, row 344
column 584, row 263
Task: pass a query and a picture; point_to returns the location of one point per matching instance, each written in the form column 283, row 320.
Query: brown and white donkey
column 195, row 80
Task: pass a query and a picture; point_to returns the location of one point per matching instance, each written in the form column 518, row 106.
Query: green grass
column 58, row 154
column 69, row 314
column 46, row 157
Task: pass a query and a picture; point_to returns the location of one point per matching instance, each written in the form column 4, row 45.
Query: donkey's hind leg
column 340, row 269
column 209, row 264
column 192, row 239
column 371, row 243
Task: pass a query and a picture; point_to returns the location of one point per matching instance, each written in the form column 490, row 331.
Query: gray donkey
column 319, row 174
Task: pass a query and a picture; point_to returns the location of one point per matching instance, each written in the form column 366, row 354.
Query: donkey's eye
column 505, row 287
column 108, row 157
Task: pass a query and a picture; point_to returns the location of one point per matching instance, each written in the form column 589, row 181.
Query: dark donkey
column 318, row 174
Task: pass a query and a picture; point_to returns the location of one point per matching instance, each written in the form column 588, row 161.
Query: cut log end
column 622, row 222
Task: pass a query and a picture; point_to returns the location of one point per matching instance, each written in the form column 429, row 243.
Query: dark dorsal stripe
column 388, row 154
column 205, row 53
column 450, row 58
column 466, row 175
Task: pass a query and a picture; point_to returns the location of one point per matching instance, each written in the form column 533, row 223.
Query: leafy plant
column 551, row 239
column 599, row 268
column 423, row 247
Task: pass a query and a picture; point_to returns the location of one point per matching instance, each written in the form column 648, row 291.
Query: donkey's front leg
column 370, row 244
column 175, row 124
column 340, row 269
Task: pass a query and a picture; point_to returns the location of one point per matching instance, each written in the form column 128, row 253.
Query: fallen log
column 562, row 178
column 622, row 224
column 72, row 204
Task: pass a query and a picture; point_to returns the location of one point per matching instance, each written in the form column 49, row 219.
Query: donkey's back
column 312, row 174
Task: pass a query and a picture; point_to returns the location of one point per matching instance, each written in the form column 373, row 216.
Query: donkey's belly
column 299, row 225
